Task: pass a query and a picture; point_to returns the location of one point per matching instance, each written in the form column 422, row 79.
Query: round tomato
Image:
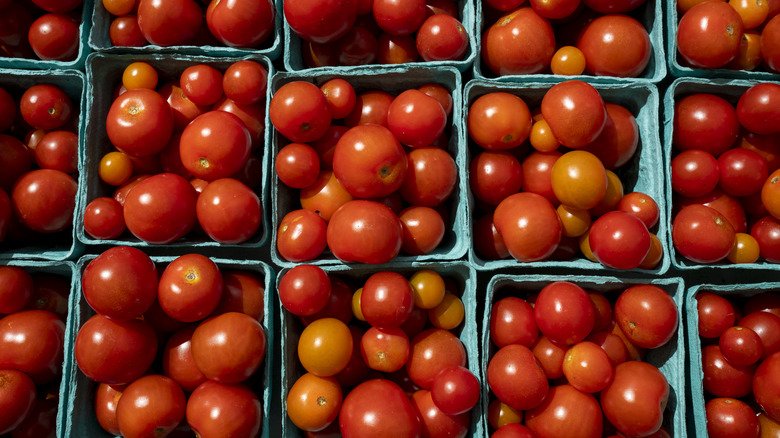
column 55, row 37
column 635, row 400
column 709, row 34
column 365, row 231
column 701, row 234
column 190, row 287
column 512, row 322
column 215, row 145
column 243, row 23
column 423, row 230
column 139, row 122
column 229, row 211
column 723, row 379
column 741, row 346
column 766, row 383
column 432, row 351
column 299, row 111
column 566, row 411
column 177, row 361
column 767, row 327
column 245, row 82
column 431, row 177
column 756, row 109
column 387, row 299
column 442, row 37
column 325, row 347
column 767, row 232
column 579, row 180
column 647, row 315
column 499, row 121
column 325, row 196
column 516, row 378
column 416, row 119
column 153, row 404
column 217, row 409
column 313, row 402
column 242, row 291
column 730, row 418
column 378, row 407
column 384, row 349
column 619, row 240
column 520, row 42
column 304, row 290
column 229, row 348
column 715, row 313
column 768, row 45
column 32, row 341
column 17, row 398
column 161, row 208
column 321, row 21
column 17, row 289
column 694, row 173
column 615, row 45
column 529, row 225
column 301, row 236
column 575, row 112
column 587, row 367
column 704, row 121
column 742, row 172
column 619, row 139
column 58, row 150
column 564, row 312
column 170, row 23
column 44, row 200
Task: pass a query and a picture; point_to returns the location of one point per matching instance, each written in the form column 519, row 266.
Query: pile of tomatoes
column 568, row 37
column 724, row 174
column 380, row 352
column 563, row 196
column 373, row 170
column 187, row 339
column 39, row 162
column 238, row 23
column 33, row 309
column 44, row 29
column 740, row 362
column 188, row 152
column 359, row 32
column 737, row 35
column 568, row 362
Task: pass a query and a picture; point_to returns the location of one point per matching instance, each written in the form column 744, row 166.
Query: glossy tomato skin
column 321, row 21
column 694, row 173
column 721, row 378
column 241, row 23
column 442, row 37
column 716, row 314
column 177, row 362
column 455, row 390
column 301, row 236
column 619, row 139
column 635, row 400
column 120, row 283
column 45, row 106
column 161, row 208
column 757, row 109
column 44, row 199
column 566, row 411
column 432, row 351
column 520, row 42
column 229, row 211
column 767, row 232
column 378, row 407
column 304, row 290
column 139, row 122
column 313, row 402
column 516, row 378
column 387, row 299
column 365, row 231
column 575, row 112
column 55, row 36
column 529, row 225
column 17, row 398
column 416, row 119
column 767, row 327
column 766, row 384
column 435, row 422
column 494, row 175
column 647, row 315
column 512, row 322
column 216, row 409
column 729, row 417
column 299, row 111
column 564, row 312
column 152, row 404
column 32, row 341
column 113, row 352
column 17, row 291
column 499, row 121
column 229, row 348
column 709, row 34
column 619, row 240
column 215, row 145
column 701, row 234
column 431, row 177
column 704, row 121
column 176, row 22
column 190, row 287
column 369, row 161
column 769, row 35
column 615, row 45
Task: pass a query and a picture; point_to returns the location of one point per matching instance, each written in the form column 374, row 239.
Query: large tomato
column 44, row 200
column 709, row 34
column 369, row 162
column 520, row 42
column 701, row 234
column 139, row 122
column 704, row 121
column 529, row 225
column 378, row 407
column 161, row 208
column 215, row 145
column 647, row 315
column 615, row 45
column 567, row 412
column 635, row 400
column 243, row 23
column 365, row 231
column 575, row 112
column 32, row 341
column 169, row 23
column 120, row 283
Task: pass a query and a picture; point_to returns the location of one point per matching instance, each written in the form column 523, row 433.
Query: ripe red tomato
column 55, row 36
column 297, row 165
column 304, row 290
column 741, row 346
column 499, row 121
column 416, row 119
column 321, row 21
column 387, row 299
column 190, row 288
column 723, row 379
column 110, row 351
column 229, row 211
column 647, row 315
column 431, row 177
column 58, row 150
column 299, row 111
column 742, row 172
column 756, row 108
column 153, row 404
column 494, row 175
column 434, row 421
column 252, row 114
column 120, row 283
column 766, row 384
column 217, row 409
column 229, row 348
column 729, row 417
column 242, row 23
column 520, row 42
column 17, row 398
column 242, row 291
column 15, row 157
column 44, row 200
column 139, row 122
column 706, row 122
column 587, row 367
column 767, row 232
column 161, row 208
column 724, row 204
column 17, row 289
column 619, row 240
column 709, row 34
column 432, row 351
column 515, row 377
column 365, row 231
column 615, row 45
column 701, row 234
column 564, row 298
column 369, row 162
column 378, row 407
column 566, row 411
column 423, row 230
column 125, row 32
column 32, row 341
column 170, row 23
column 399, row 17
column 635, row 400
column 177, row 361
column 694, row 173
column 215, row 145
column 619, row 139
column 455, row 390
column 301, row 236
column 106, row 399
column 512, row 322
column 529, row 225
column 575, row 112
column 769, row 48
column 245, row 82
column 716, row 314
column 384, row 349
column 767, row 327
column 442, row 37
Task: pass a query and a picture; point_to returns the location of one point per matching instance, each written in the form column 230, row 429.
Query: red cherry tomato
column 149, row 405
column 721, row 378
column 432, row 351
column 175, row 22
column 455, row 390
column 694, row 173
column 139, row 122
column 529, row 225
column 177, row 362
column 364, row 231
column 766, row 383
column 321, row 21
column 575, row 112
column 229, row 211
column 619, row 240
column 161, row 208
column 706, row 122
column 647, row 315
column 520, row 42
column 18, row 289
column 304, row 290
column 729, row 417
column 387, row 299
column 299, row 111
column 32, row 341
column 566, row 411
column 245, row 82
column 243, row 23
column 215, row 408
column 709, row 34
column 378, row 407
column 416, row 119
column 55, row 36
column 17, row 398
column 190, row 288
column 515, row 378
column 756, row 108
column 45, row 106
column 229, row 348
column 564, row 298
column 44, row 200
column 615, row 45
column 442, row 37
column 301, row 236
column 701, row 234
column 635, row 400
column 716, row 314
column 431, row 177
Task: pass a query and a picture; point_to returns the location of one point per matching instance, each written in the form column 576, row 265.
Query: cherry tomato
column 694, row 173
column 619, row 240
column 321, row 21
column 387, row 299
column 139, row 122
column 442, row 37
column 647, row 315
column 242, row 23
column 741, row 346
column 245, row 82
column 723, row 379
column 299, row 111
column 564, row 298
column 229, row 348
column 242, row 291
column 325, row 347
column 365, row 231
column 512, row 322
column 515, row 378
column 579, row 180
column 709, row 34
column 44, row 200
column 520, row 42
column 313, row 402
column 190, row 287
column 378, row 407
column 619, row 139
column 587, row 367
column 229, row 211
column 301, row 236
column 55, row 36
column 161, row 208
column 529, row 225
column 701, row 234
column 304, row 290
column 432, row 351
column 369, row 162
column 728, row 417
column 716, row 314
column 17, row 398
column 17, row 290
column 416, row 119
column 498, row 121
column 32, row 342
column 177, row 361
column 566, row 411
column 706, row 122
column 151, row 404
column 430, row 178
column 173, row 23
column 615, row 45
column 635, row 400
column 765, row 385
column 742, row 172
column 384, row 349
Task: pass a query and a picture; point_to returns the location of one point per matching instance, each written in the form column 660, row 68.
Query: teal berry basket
column 669, row 358
column 731, row 90
column 104, row 73
column 85, row 15
column 62, row 245
column 640, row 174
column 99, row 40
column 733, row 292
column 295, row 45
column 650, row 15
column 392, row 80
column 66, row 270
column 79, row 414
column 291, row 327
